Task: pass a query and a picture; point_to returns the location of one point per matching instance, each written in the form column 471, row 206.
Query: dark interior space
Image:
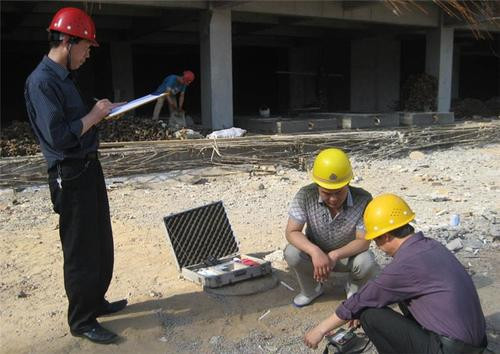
column 94, row 76
column 19, row 59
column 338, row 62
column 256, row 79
column 479, row 68
column 477, row 77
column 152, row 63
column 412, row 57
column 280, row 64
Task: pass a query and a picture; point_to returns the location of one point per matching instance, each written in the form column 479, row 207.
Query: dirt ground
column 168, row 314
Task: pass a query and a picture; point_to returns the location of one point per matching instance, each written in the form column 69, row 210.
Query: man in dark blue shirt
column 66, row 130
column 173, row 85
column 440, row 305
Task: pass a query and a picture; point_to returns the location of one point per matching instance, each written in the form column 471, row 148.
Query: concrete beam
column 145, row 27
column 349, row 5
column 374, row 13
column 224, row 4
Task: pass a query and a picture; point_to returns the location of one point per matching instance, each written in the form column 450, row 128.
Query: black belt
column 91, row 156
column 456, row 346
column 94, row 155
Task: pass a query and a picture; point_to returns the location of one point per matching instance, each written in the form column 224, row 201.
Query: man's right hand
column 321, row 263
column 102, row 109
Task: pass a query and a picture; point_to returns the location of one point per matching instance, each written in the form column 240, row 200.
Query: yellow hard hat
column 332, row 169
column 385, row 213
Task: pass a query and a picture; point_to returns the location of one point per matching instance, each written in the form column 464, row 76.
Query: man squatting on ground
column 441, row 312
column 334, row 235
column 172, row 85
column 66, row 130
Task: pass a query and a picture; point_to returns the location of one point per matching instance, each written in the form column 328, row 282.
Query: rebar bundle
column 292, row 151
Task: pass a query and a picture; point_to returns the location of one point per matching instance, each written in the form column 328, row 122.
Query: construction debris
column 227, row 133
column 287, row 151
column 139, row 203
column 417, row 155
column 455, row 245
column 184, row 133
column 18, row 139
column 474, row 108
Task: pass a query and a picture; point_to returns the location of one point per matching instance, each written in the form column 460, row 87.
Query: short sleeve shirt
column 322, row 229
column 170, row 84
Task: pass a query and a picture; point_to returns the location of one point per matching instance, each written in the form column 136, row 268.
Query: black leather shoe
column 97, row 334
column 111, row 307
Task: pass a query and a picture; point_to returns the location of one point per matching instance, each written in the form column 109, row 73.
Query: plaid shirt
column 322, row 229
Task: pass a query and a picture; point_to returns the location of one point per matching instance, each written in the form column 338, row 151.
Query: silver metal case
column 206, row 250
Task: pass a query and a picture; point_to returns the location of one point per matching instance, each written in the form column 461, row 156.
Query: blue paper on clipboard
column 133, row 104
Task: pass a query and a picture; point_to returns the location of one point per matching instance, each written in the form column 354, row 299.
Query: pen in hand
column 110, row 107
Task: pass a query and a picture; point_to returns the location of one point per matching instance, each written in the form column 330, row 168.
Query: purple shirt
column 434, row 285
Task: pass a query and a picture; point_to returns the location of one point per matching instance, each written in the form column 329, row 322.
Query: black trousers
column 392, row 332
column 86, row 237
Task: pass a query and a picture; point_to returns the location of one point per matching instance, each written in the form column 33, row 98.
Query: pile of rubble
column 134, row 129
column 475, row 108
column 18, row 139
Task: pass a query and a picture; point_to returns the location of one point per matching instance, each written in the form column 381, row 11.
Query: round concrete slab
column 246, row 287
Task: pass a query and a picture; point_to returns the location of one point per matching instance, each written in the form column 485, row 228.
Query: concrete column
column 303, row 65
column 455, row 79
column 121, row 71
column 216, row 69
column 439, row 63
column 498, row 62
column 375, row 74
column 295, row 87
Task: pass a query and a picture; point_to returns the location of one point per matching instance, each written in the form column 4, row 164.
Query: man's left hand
column 313, row 337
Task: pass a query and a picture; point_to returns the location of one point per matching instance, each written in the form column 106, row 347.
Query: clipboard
column 133, row 105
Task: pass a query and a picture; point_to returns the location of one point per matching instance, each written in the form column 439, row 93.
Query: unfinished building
column 286, row 58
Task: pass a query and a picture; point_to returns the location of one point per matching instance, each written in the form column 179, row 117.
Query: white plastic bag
column 227, row 133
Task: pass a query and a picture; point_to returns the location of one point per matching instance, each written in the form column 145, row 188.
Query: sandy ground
column 169, row 314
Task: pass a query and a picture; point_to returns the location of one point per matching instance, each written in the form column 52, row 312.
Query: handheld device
column 342, row 340
column 347, row 342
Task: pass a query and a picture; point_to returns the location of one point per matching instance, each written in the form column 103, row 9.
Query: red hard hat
column 75, row 22
column 188, row 76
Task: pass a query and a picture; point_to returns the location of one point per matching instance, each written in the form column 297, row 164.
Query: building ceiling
column 178, row 22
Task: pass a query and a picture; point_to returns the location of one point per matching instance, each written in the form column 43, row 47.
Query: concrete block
column 274, row 125
column 319, row 121
column 318, row 115
column 426, row 118
column 316, row 125
column 290, row 126
column 369, row 120
column 455, row 245
column 286, row 125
